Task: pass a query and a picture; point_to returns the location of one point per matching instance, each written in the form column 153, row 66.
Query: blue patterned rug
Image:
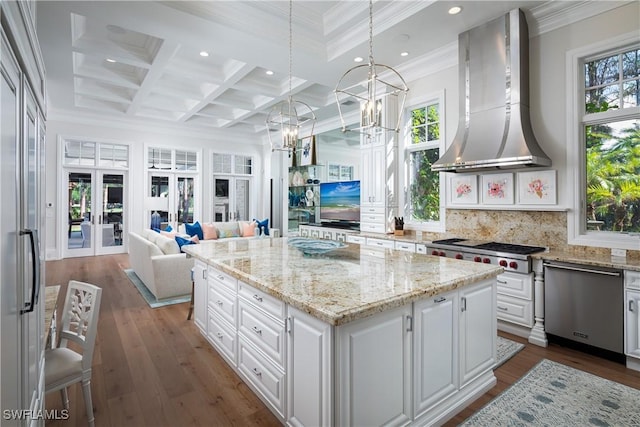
column 148, row 296
column 552, row 394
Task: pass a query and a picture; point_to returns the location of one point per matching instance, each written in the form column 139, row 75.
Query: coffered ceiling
column 139, row 61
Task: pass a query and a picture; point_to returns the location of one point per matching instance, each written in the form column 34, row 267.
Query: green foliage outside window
column 424, row 183
column 613, row 147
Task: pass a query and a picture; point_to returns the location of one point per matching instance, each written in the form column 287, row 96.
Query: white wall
column 138, row 138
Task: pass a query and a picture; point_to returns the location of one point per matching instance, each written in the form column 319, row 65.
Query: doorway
column 96, row 212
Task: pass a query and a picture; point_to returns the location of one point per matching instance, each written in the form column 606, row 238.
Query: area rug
column 506, row 349
column 552, row 394
column 148, row 296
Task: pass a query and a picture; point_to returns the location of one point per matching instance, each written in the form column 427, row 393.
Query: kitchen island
column 357, row 336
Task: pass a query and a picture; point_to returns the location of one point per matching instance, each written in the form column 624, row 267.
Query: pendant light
column 379, row 89
column 290, row 120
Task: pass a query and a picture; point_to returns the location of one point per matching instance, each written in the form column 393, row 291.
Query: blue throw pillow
column 168, row 229
column 181, row 241
column 263, row 226
column 194, row 230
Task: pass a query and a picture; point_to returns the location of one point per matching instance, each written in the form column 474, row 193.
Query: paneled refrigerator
column 21, row 221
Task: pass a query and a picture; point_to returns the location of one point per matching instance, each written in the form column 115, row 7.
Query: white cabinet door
column 309, row 370
column 374, row 368
column 632, row 323
column 478, row 330
column 200, row 298
column 435, row 350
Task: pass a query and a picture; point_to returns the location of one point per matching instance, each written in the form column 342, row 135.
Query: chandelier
column 379, row 89
column 290, row 120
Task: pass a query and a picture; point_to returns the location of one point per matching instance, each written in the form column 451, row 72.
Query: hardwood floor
column 152, row 367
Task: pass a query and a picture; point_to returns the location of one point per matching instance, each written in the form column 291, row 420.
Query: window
column 83, row 153
column 607, row 208
column 423, row 204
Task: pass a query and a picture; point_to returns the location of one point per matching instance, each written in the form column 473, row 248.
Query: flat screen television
column 340, row 202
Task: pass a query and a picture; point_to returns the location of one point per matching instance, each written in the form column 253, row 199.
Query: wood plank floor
column 152, row 367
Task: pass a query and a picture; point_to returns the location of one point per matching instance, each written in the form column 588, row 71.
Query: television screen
column 340, row 201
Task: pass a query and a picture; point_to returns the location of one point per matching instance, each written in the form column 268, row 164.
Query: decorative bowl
column 315, row 246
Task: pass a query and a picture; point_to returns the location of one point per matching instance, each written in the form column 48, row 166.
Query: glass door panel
column 221, row 199
column 113, row 209
column 241, row 210
column 159, row 201
column 185, row 199
column 80, row 191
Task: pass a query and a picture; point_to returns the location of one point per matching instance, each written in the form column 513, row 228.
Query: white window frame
column 408, row 147
column 577, row 234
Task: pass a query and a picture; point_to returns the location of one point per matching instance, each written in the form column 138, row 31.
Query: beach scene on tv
column 340, row 201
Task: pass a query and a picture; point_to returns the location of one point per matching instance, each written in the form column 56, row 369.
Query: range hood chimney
column 494, row 131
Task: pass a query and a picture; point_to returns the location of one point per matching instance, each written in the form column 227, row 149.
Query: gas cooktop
column 490, row 246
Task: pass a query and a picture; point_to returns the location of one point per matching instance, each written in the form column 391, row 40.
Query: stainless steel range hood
column 494, row 131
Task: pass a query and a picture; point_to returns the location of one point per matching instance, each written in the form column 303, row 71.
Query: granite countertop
column 343, row 285
column 593, row 259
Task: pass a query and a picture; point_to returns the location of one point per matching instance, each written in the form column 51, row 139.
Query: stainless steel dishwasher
column 585, row 304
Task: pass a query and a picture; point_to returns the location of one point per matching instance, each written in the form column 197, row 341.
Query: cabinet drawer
column 372, row 217
column 229, row 282
column 222, row 337
column 263, row 331
column 372, row 227
column 515, row 310
column 381, row 243
column 516, row 285
column 222, row 303
column 421, row 248
column 263, row 375
column 372, row 210
column 405, row 246
column 266, row 302
column 356, row 239
column 632, row 279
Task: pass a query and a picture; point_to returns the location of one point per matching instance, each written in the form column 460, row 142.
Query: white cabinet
column 374, row 370
column 380, row 243
column 262, row 343
column 221, row 314
column 632, row 319
column 309, row 370
column 373, row 164
column 515, row 298
column 405, row 246
column 435, row 350
column 477, row 330
column 200, row 296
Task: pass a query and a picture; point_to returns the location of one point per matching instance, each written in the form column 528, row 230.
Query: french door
column 96, row 212
column 171, row 199
column 231, row 198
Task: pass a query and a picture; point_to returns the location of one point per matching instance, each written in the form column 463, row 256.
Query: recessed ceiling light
column 455, row 10
column 204, row 53
column 269, row 73
column 111, row 60
column 358, row 59
column 404, row 53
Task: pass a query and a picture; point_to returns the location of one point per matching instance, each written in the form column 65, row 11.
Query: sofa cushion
column 228, row 229
column 167, row 245
column 209, row 231
column 194, row 230
column 181, row 241
column 263, row 226
column 247, row 229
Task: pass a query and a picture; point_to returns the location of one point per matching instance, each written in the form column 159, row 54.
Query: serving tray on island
column 315, row 246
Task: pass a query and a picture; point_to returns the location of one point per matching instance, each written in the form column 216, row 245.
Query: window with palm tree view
column 422, row 150
column 612, row 142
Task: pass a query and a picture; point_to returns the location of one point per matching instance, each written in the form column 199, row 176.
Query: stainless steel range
column 514, row 258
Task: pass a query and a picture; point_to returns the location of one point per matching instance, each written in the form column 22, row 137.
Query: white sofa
column 158, row 262
column 162, row 267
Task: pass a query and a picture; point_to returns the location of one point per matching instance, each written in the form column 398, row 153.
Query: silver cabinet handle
column 219, row 303
column 220, row 277
column 503, row 308
column 631, row 305
column 439, row 300
column 220, row 336
column 257, row 297
column 258, row 373
column 409, row 323
column 463, row 304
column 257, row 331
column 502, row 282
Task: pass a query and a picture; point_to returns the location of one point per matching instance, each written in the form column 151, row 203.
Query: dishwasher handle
column 583, row 270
